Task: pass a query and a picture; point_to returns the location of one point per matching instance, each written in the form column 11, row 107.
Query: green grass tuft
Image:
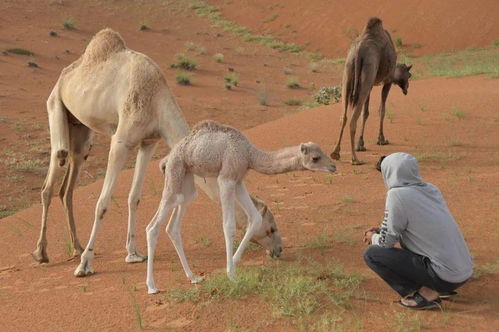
column 183, row 78
column 293, row 102
column 20, row 51
column 69, row 24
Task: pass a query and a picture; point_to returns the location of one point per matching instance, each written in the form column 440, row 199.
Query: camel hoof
column 152, row 291
column 357, row 162
column 196, row 279
column 361, row 148
column 83, row 270
column 40, row 256
column 335, row 155
column 135, row 258
column 383, row 142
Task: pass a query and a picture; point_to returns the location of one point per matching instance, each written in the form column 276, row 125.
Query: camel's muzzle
column 276, row 253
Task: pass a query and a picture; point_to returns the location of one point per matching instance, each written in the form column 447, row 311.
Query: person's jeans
column 405, row 271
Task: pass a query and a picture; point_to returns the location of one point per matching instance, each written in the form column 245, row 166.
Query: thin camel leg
column 254, row 218
column 81, row 142
column 365, row 115
column 59, row 144
column 143, row 157
column 173, row 229
column 117, row 158
column 343, row 121
column 384, row 95
column 353, row 127
column 152, row 232
column 227, row 199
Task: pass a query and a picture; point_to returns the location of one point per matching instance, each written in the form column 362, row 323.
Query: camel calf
column 371, row 61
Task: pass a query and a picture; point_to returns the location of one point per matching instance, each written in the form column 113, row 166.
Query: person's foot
column 418, row 302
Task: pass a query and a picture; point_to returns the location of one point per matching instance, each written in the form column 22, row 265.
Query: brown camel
column 123, row 94
column 371, row 61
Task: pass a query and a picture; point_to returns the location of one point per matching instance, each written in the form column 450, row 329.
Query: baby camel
column 213, row 150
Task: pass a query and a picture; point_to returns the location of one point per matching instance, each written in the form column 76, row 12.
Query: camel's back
column 212, row 149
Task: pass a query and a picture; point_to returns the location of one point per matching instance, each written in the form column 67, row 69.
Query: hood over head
column 400, row 170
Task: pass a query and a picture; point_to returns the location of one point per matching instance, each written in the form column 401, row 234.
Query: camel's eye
column 316, row 159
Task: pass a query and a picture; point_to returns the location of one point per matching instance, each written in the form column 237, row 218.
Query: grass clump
column 143, row 27
column 293, row 102
column 398, row 41
column 327, row 95
column 458, row 113
column 185, row 63
column 262, row 96
column 183, row 78
column 20, row 51
column 5, row 212
column 69, row 24
column 218, row 57
column 439, row 156
column 485, row 269
column 293, row 83
column 231, row 80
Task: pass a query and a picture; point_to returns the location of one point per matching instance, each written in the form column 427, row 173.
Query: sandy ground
column 460, row 155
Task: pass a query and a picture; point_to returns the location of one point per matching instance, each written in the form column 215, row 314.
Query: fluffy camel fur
column 120, row 93
column 213, row 150
column 371, row 61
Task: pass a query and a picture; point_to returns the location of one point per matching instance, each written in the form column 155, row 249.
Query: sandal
column 447, row 295
column 421, row 302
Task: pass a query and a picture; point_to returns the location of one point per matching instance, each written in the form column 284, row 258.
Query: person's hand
column 368, row 234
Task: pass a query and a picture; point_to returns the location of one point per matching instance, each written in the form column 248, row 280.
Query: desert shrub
column 327, row 95
column 231, row 80
column 183, row 62
column 292, row 83
column 183, row 78
column 69, row 24
column 219, row 57
column 21, row 51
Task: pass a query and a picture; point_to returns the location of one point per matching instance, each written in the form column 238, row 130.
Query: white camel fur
column 120, row 93
column 213, row 150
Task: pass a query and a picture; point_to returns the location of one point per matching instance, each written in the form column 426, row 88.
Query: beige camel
column 120, row 93
column 213, row 150
column 371, row 61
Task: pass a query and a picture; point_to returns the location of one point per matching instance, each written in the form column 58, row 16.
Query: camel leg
column 254, row 218
column 143, row 157
column 168, row 202
column 343, row 121
column 384, row 95
column 227, row 199
column 117, row 158
column 173, row 229
column 365, row 115
column 59, row 145
column 81, row 140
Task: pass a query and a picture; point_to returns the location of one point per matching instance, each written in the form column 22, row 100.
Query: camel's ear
column 304, row 148
column 409, row 67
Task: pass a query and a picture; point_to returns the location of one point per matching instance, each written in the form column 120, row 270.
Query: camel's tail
column 355, row 85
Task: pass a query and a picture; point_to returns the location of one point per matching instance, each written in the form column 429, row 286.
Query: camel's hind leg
column 144, row 155
column 227, row 199
column 80, row 144
column 174, row 225
column 384, row 95
column 118, row 154
column 343, row 121
column 59, row 145
column 254, row 218
column 365, row 115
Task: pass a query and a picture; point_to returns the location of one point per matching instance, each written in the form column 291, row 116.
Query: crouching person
column 433, row 260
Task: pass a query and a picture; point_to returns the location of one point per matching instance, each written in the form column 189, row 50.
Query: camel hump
column 213, row 126
column 103, row 45
column 374, row 24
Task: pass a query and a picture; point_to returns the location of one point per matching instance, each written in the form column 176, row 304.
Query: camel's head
column 267, row 235
column 314, row 159
column 401, row 76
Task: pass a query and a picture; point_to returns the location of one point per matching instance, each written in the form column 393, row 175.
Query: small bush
column 398, row 41
column 69, row 24
column 231, row 80
column 21, row 51
column 292, row 83
column 183, row 78
column 293, row 102
column 326, row 95
column 143, row 27
column 183, row 62
column 219, row 57
column 262, row 96
column 460, row 114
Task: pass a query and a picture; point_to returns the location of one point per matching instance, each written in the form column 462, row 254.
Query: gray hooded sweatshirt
column 417, row 216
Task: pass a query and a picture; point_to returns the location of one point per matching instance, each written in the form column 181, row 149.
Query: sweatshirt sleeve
column 394, row 222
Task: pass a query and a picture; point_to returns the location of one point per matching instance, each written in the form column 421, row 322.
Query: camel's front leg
column 117, row 158
column 254, row 218
column 227, row 199
column 143, row 157
column 384, row 95
column 174, row 226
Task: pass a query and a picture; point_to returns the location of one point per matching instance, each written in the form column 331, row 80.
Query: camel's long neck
column 281, row 161
column 174, row 127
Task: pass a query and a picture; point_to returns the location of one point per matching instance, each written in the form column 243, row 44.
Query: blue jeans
column 405, row 271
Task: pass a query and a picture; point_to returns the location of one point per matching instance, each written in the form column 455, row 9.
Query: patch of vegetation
column 219, row 57
column 262, row 96
column 326, row 95
column 5, row 211
column 485, row 269
column 398, row 42
column 416, row 45
column 458, row 113
column 204, row 241
column 322, row 242
column 250, row 247
column 438, row 156
column 69, row 24
column 143, row 27
column 20, row 51
column 185, row 63
column 231, row 80
column 135, row 305
column 294, row 290
column 314, row 67
column 293, row 102
column 403, row 321
column 293, row 83
column 183, row 78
